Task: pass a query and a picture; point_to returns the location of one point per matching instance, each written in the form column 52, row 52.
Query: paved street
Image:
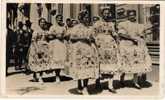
column 21, row 84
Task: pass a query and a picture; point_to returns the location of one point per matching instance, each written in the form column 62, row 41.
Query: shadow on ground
column 92, row 90
column 26, row 90
column 53, row 79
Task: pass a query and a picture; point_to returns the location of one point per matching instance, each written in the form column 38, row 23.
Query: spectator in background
column 11, row 40
column 20, row 46
column 27, row 36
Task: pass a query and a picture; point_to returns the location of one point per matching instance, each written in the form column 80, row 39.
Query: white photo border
column 3, row 48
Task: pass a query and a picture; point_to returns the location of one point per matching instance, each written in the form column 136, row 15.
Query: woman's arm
column 122, row 34
column 51, row 33
column 34, row 41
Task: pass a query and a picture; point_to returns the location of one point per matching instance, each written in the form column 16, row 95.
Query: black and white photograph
column 82, row 49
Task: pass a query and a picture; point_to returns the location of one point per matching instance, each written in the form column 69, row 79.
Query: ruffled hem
column 136, row 70
column 44, row 68
column 109, row 68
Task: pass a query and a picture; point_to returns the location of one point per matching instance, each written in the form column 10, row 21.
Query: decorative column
column 54, row 7
column 34, row 15
column 66, row 12
column 44, row 12
column 76, row 10
column 95, row 10
column 140, row 14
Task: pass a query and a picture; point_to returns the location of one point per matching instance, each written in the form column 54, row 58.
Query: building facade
column 22, row 12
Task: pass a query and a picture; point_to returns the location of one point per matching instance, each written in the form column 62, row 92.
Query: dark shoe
column 137, row 86
column 112, row 90
column 79, row 91
column 27, row 72
column 35, row 80
column 98, row 85
column 122, row 84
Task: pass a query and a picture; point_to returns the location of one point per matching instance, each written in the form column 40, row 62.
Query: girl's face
column 69, row 23
column 74, row 22
column 106, row 15
column 59, row 19
column 86, row 19
column 42, row 23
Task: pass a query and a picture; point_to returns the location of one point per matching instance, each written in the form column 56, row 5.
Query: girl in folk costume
column 133, row 50
column 107, row 47
column 57, row 46
column 83, row 58
column 39, row 58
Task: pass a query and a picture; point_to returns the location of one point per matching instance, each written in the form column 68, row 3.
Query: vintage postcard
column 82, row 48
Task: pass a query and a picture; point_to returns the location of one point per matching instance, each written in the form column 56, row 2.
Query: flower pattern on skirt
column 57, row 48
column 108, row 53
column 83, row 61
column 58, row 52
column 107, row 47
column 39, row 58
column 83, row 56
column 134, row 58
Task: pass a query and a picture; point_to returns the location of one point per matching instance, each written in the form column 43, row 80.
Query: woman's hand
column 135, row 41
column 50, row 36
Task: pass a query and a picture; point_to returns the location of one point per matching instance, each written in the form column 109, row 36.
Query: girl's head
column 42, row 22
column 131, row 15
column 59, row 19
column 84, row 17
column 106, row 14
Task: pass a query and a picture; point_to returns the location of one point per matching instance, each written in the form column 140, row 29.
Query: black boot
column 122, row 84
column 98, row 84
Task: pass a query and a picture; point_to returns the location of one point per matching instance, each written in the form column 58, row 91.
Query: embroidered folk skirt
column 83, row 61
column 134, row 58
column 39, row 58
column 108, row 54
column 58, row 52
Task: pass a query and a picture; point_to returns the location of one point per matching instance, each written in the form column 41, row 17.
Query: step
column 155, row 60
column 153, row 47
column 154, row 53
column 153, row 43
column 154, row 50
column 154, row 74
